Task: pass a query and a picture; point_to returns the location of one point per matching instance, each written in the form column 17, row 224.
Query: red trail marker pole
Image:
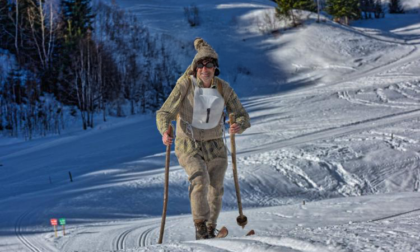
column 54, row 223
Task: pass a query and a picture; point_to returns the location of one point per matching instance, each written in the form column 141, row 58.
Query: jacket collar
column 200, row 83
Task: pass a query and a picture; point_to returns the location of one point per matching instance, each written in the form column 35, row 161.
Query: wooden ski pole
column 242, row 220
column 165, row 195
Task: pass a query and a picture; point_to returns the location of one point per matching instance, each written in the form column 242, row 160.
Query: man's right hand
column 166, row 138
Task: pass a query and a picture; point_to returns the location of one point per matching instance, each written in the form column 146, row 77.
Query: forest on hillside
column 73, row 58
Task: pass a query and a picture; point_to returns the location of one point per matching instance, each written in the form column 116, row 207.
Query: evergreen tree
column 347, row 9
column 395, row 7
column 285, row 8
column 379, row 12
column 78, row 19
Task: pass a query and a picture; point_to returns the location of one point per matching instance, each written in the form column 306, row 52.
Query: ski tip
column 223, row 232
column 251, row 232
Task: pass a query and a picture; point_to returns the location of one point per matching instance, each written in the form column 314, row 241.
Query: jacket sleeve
column 171, row 107
column 233, row 105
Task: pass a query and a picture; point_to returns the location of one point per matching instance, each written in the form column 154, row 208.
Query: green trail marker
column 62, row 222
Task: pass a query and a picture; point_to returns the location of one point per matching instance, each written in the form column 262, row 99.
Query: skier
column 197, row 103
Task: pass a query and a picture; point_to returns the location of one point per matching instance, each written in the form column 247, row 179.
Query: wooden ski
column 251, row 232
column 223, row 232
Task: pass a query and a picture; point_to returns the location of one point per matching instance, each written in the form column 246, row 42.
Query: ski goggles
column 207, row 65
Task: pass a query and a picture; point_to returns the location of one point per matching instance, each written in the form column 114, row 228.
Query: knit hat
column 204, row 50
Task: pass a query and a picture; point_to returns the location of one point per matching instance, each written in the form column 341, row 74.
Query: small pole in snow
column 303, row 203
column 317, row 5
column 54, row 223
column 63, row 224
column 71, row 177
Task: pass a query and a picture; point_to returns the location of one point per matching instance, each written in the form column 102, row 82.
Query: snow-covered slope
column 335, row 113
column 411, row 5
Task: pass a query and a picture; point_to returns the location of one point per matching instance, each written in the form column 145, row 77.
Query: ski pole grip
column 171, row 130
column 232, row 118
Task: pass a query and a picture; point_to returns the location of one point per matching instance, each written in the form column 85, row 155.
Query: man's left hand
column 234, row 128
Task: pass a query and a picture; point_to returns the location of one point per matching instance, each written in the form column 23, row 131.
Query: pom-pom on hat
column 204, row 50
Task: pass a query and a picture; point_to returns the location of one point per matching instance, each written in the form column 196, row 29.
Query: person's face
column 205, row 70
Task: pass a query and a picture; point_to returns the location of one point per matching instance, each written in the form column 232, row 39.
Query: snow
column 329, row 164
column 411, row 5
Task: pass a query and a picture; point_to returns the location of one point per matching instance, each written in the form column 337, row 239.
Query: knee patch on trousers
column 195, row 175
column 198, row 179
column 217, row 192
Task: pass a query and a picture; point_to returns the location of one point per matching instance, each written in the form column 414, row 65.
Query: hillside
column 335, row 113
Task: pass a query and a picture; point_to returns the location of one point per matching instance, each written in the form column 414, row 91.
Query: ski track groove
column 122, row 237
column 387, row 217
column 387, row 66
column 395, row 215
column 143, row 240
column 383, row 98
column 144, row 237
column 386, row 170
column 20, row 236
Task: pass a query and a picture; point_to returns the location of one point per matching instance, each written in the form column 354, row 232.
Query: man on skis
column 197, row 103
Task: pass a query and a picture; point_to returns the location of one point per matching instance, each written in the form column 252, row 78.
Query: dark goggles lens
column 207, row 65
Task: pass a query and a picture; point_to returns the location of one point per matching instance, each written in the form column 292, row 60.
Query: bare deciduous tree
column 43, row 29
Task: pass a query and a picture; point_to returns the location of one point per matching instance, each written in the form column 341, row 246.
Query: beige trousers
column 206, row 182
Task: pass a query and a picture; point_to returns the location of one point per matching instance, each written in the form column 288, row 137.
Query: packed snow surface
column 329, row 164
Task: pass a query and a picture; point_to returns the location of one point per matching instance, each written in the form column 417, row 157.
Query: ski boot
column 200, row 230
column 211, row 231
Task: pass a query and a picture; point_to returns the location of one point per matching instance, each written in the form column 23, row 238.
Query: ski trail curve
column 120, row 241
column 144, row 238
column 19, row 233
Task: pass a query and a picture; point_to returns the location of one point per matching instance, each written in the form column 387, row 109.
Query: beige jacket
column 181, row 101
